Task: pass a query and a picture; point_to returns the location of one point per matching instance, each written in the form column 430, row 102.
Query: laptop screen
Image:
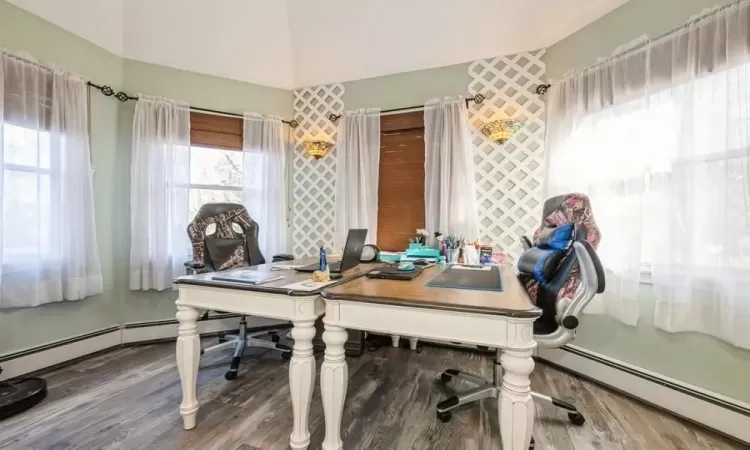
column 355, row 241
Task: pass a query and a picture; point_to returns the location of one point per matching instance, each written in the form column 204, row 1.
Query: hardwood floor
column 128, row 399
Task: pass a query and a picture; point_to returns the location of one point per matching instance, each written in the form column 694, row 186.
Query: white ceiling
column 295, row 43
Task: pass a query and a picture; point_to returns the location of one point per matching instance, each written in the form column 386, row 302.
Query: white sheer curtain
column 357, row 174
column 264, row 180
column 659, row 137
column 450, row 189
column 49, row 250
column 159, row 177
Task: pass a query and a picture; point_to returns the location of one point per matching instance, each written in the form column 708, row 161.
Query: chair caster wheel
column 286, row 356
column 275, row 338
column 445, row 377
column 444, row 416
column 231, row 375
column 576, row 418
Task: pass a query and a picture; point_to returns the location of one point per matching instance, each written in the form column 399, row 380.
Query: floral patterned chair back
column 224, row 237
column 564, row 209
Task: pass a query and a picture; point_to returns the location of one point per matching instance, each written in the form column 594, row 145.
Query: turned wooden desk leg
column 334, row 378
column 515, row 406
column 413, row 343
column 188, row 357
column 301, row 381
column 394, row 340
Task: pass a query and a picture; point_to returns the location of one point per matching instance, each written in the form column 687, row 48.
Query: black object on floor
column 19, row 395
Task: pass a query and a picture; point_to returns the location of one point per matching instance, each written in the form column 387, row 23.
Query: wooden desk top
column 512, row 301
column 274, row 287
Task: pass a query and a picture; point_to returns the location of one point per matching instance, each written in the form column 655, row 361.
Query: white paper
column 308, row 285
column 287, row 267
column 481, row 269
column 471, row 255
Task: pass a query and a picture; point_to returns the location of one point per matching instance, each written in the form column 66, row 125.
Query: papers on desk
column 246, row 276
column 308, row 285
column 287, row 266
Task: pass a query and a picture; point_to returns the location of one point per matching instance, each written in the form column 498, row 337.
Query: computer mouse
column 406, row 266
column 421, row 262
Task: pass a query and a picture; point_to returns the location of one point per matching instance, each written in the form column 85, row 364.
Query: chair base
column 491, row 389
column 243, row 340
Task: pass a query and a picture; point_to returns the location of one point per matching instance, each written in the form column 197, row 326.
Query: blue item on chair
column 539, row 263
column 556, row 238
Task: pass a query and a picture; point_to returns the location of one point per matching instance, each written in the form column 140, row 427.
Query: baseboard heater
column 704, row 408
column 67, row 351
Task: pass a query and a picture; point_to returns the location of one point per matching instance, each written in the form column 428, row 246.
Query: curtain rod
column 123, row 97
column 690, row 22
column 478, row 99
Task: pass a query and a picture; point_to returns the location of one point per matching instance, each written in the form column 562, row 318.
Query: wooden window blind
column 401, row 180
column 209, row 130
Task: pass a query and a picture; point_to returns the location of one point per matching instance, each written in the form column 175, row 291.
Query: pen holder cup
column 451, row 255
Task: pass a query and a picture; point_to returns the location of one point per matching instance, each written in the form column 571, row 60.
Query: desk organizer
column 421, row 251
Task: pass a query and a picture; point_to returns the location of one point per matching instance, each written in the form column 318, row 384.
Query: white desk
column 268, row 300
column 494, row 319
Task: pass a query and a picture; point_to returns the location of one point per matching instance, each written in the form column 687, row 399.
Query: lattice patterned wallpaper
column 509, row 176
column 313, row 181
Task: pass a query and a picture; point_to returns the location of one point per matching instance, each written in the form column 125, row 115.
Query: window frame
column 21, row 260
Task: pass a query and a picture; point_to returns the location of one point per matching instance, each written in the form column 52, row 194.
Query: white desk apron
column 407, row 308
column 267, row 300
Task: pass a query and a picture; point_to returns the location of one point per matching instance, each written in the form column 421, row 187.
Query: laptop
column 355, row 241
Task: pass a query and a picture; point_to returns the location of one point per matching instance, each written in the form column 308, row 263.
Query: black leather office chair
column 225, row 237
column 576, row 276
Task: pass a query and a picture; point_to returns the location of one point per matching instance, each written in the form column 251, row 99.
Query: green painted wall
column 407, row 89
column 690, row 357
column 633, row 19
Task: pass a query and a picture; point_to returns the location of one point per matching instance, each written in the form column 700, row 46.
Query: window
column 216, row 160
column 215, row 176
column 27, row 193
column 677, row 163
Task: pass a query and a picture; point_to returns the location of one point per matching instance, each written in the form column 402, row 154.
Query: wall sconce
column 317, row 149
column 501, row 131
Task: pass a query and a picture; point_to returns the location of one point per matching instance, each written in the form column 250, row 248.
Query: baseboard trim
column 66, row 351
column 152, row 323
column 58, row 352
column 702, row 407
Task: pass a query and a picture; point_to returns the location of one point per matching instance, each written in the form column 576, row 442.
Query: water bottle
column 323, row 262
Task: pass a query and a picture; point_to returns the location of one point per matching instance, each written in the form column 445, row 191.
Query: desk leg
column 515, row 406
column 301, row 381
column 188, row 357
column 394, row 340
column 334, row 378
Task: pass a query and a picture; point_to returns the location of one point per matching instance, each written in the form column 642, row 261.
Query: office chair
column 225, row 237
column 577, row 275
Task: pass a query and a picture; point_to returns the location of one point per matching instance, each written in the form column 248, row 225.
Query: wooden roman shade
column 401, row 184
column 209, row 130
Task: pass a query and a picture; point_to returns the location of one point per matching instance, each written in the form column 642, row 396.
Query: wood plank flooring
column 128, row 399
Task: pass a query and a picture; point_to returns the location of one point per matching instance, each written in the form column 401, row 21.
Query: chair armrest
column 592, row 279
column 589, row 266
column 194, row 268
